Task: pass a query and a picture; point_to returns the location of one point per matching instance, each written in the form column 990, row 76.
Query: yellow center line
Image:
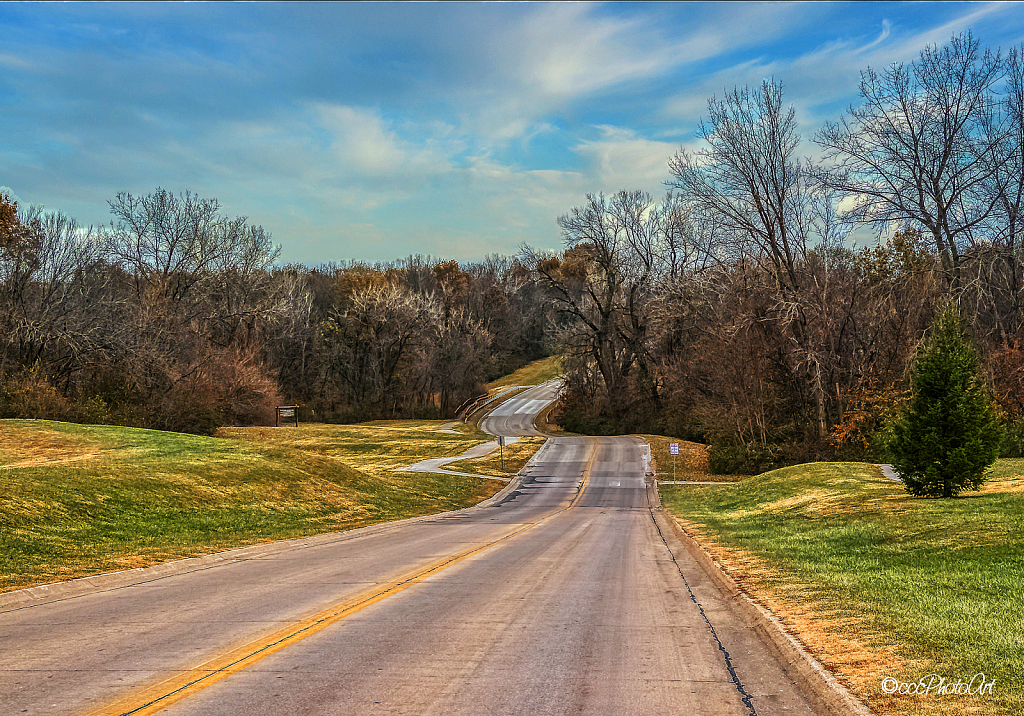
column 187, row 682
column 586, row 476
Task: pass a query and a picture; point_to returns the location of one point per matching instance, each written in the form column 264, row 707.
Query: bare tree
column 620, row 250
column 204, row 304
column 369, row 347
column 1008, row 172
column 458, row 352
column 168, row 242
column 748, row 183
column 994, row 284
column 919, row 149
column 748, row 180
column 53, row 288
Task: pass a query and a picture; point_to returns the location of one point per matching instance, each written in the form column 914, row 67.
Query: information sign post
column 674, row 449
column 289, row 413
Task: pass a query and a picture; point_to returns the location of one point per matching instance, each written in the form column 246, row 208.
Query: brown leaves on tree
column 17, row 238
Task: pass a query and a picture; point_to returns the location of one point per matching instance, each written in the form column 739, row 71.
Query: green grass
column 79, row 500
column 376, row 448
column 535, row 373
column 877, row 582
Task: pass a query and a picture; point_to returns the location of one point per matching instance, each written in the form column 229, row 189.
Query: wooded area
column 732, row 311
column 175, row 317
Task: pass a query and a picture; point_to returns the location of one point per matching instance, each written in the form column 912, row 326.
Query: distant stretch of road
column 562, row 596
column 515, row 417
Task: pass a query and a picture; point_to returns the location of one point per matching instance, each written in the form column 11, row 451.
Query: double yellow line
column 188, row 682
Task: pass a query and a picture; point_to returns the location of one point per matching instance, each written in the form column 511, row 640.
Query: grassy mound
column 81, row 500
column 876, row 582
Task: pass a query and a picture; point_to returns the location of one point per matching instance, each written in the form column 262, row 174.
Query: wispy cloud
column 620, row 159
column 378, row 130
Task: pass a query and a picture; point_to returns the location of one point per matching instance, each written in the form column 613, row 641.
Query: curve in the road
column 516, row 416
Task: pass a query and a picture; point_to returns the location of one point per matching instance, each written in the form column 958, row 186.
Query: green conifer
column 949, row 435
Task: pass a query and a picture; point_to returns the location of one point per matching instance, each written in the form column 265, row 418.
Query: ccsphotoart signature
column 935, row 685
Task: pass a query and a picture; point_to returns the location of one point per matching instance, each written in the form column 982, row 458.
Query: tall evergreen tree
column 949, row 435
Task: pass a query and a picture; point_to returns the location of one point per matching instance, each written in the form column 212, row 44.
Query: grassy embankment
column 878, row 583
column 80, row 500
column 535, row 373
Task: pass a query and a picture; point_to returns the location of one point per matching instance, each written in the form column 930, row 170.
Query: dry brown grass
column 817, row 502
column 374, row 448
column 1013, row 484
column 690, row 465
column 544, row 423
column 516, row 456
column 29, row 445
column 533, row 373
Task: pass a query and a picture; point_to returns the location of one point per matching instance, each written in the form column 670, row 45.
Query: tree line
column 735, row 311
column 177, row 317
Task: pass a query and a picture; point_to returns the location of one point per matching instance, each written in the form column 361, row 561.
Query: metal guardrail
column 483, row 401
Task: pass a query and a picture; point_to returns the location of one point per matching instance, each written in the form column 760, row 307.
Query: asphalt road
column 563, row 597
column 515, row 416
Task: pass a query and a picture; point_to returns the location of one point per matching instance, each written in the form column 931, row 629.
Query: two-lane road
column 561, row 598
column 515, row 417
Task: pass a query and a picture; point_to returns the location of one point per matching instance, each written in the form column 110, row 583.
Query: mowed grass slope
column 876, row 582
column 535, row 373
column 78, row 500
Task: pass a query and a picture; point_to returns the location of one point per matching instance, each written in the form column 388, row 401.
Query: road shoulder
column 815, row 683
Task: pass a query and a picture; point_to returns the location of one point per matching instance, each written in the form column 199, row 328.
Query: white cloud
column 9, row 193
column 553, row 59
column 363, row 143
column 547, row 60
column 567, row 50
column 825, row 75
column 433, row 128
column 621, row 159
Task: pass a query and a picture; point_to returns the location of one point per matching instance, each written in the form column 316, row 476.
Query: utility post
column 501, row 450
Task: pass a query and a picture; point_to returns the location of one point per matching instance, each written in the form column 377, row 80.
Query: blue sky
column 376, row 131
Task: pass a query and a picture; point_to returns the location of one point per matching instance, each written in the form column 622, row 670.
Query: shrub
column 30, row 394
column 745, row 459
column 1013, row 439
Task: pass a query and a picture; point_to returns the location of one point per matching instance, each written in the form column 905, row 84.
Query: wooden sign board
column 289, row 413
